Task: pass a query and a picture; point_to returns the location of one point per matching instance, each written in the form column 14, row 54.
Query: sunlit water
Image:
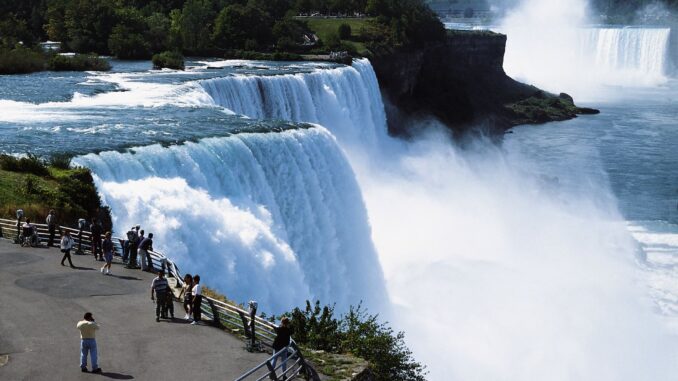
column 505, row 262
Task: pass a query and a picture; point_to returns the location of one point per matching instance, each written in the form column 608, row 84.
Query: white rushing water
column 567, row 54
column 267, row 216
column 494, row 272
column 342, row 99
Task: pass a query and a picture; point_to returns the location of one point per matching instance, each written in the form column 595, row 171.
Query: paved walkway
column 41, row 302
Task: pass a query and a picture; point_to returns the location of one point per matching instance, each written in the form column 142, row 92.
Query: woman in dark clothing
column 197, row 300
column 282, row 340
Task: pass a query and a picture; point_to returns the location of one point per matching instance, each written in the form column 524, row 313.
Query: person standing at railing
column 197, row 300
column 160, row 289
column 95, row 229
column 107, row 247
column 144, row 246
column 280, row 344
column 66, row 246
column 187, row 294
column 133, row 238
column 51, row 222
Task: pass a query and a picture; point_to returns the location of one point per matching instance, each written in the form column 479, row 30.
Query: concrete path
column 41, row 302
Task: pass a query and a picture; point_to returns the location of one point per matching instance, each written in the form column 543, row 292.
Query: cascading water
column 636, row 51
column 346, row 100
column 495, row 272
column 276, row 216
column 567, row 54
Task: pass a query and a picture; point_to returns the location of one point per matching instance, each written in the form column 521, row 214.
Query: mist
column 498, row 273
column 554, row 45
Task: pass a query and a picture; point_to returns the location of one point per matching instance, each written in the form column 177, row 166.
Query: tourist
column 51, row 227
column 145, row 246
column 160, row 288
column 133, row 238
column 197, row 300
column 280, row 344
column 66, row 246
column 30, row 233
column 88, row 342
column 95, row 229
column 187, row 294
column 107, row 247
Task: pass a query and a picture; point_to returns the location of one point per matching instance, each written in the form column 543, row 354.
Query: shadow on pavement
column 125, row 277
column 117, row 376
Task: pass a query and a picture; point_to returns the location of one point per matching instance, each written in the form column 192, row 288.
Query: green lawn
column 322, row 27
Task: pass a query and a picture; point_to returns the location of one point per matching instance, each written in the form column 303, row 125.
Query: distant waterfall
column 345, row 99
column 640, row 51
column 277, row 217
column 582, row 61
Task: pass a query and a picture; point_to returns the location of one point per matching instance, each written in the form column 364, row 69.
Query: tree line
column 136, row 29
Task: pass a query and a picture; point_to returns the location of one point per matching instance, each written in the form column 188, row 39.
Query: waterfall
column 639, row 51
column 277, row 217
column 344, row 99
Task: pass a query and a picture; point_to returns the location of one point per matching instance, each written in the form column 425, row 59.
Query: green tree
column 195, row 26
column 88, row 24
column 128, row 38
column 237, row 24
column 158, row 32
column 344, row 31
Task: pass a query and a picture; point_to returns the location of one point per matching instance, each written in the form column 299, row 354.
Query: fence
column 222, row 315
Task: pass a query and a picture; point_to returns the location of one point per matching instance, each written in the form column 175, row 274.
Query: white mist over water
column 495, row 271
column 552, row 45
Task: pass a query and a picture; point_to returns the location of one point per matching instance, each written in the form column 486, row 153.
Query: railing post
column 271, row 371
column 215, row 314
column 308, row 370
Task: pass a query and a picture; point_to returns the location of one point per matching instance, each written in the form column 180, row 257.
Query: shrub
column 21, row 60
column 359, row 333
column 60, row 161
column 344, row 31
column 170, row 60
column 28, row 164
column 78, row 62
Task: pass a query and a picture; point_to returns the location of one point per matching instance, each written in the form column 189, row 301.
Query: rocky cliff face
column 461, row 81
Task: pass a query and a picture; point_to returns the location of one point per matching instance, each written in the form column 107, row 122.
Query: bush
column 344, row 31
column 60, row 161
column 78, row 62
column 359, row 333
column 170, row 60
column 28, row 164
column 332, row 42
column 21, row 60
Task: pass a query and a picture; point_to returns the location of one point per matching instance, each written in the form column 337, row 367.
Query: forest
column 137, row 29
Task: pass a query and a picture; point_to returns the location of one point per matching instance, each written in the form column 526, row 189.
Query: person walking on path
column 66, row 246
column 107, row 246
column 88, row 342
column 160, row 289
column 187, row 293
column 280, row 344
column 51, row 222
column 133, row 237
column 144, row 246
column 95, row 229
column 197, row 300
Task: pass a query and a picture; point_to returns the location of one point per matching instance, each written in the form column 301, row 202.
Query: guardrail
column 222, row 315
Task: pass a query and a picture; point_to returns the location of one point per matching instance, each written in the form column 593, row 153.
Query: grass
column 325, row 27
column 35, row 186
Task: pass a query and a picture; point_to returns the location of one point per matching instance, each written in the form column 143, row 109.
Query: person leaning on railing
column 280, row 344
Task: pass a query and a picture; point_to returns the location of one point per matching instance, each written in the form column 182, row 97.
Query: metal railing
column 223, row 315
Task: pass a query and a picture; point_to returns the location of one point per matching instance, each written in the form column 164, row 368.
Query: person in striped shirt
column 160, row 288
